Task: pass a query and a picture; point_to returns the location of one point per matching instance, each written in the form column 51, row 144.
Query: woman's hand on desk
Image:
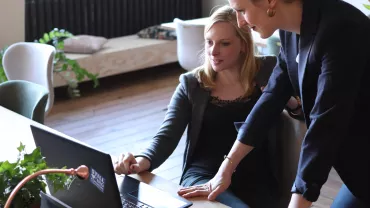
column 218, row 184
column 128, row 164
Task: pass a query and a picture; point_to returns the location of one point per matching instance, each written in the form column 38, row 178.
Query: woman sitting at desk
column 209, row 100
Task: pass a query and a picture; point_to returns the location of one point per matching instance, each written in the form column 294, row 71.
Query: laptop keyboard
column 126, row 203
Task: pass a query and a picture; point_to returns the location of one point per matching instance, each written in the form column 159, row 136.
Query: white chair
column 32, row 62
column 190, row 44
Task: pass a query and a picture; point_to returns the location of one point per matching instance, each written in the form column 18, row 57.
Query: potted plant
column 67, row 68
column 26, row 164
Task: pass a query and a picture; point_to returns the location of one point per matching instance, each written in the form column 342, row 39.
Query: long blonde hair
column 206, row 75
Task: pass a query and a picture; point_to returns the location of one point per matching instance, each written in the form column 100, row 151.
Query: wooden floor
column 124, row 113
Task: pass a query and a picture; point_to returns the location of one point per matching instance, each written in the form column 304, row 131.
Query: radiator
column 107, row 18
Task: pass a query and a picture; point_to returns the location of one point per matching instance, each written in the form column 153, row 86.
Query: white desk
column 203, row 21
column 15, row 128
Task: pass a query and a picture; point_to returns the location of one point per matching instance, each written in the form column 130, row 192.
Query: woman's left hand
column 218, row 184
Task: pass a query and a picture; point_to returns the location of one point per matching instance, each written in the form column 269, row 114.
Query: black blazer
column 333, row 81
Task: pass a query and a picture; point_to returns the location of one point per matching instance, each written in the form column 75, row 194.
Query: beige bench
column 125, row 54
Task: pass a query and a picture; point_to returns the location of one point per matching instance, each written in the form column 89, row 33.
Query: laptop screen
column 100, row 190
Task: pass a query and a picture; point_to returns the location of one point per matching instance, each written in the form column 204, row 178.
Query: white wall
column 12, row 26
column 207, row 6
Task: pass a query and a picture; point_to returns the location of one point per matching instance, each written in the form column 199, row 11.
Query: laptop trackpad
column 156, row 198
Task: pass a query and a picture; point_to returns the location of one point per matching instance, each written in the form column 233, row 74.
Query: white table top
column 15, row 128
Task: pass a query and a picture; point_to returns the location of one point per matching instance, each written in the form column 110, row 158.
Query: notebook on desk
column 101, row 189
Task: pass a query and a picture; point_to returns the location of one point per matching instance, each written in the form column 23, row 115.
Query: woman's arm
column 236, row 154
column 293, row 107
column 169, row 134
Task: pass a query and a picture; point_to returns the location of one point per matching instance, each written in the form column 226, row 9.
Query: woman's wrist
column 143, row 162
column 227, row 167
column 236, row 154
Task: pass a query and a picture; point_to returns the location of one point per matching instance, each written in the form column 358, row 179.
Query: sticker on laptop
column 97, row 180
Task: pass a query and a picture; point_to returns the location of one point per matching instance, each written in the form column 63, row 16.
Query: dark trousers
column 345, row 199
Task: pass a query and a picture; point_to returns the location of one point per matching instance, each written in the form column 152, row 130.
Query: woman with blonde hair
column 210, row 100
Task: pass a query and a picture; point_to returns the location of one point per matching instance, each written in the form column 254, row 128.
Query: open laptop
column 102, row 188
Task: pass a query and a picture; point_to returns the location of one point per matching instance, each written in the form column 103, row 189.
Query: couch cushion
column 84, row 44
column 157, row 32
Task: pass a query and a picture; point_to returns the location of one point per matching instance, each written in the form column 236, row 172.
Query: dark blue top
column 332, row 77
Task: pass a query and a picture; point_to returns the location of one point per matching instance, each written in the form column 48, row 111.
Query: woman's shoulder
column 192, row 86
column 189, row 79
column 185, row 77
column 266, row 65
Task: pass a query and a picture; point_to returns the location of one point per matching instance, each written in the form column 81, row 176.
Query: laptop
column 48, row 201
column 101, row 189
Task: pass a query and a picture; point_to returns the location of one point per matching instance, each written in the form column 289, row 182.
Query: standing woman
column 325, row 59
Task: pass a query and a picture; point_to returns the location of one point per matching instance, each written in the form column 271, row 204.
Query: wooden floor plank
column 102, row 112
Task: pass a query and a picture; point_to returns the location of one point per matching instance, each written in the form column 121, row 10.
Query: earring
column 271, row 12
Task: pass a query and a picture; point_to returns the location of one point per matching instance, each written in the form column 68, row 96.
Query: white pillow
column 86, row 44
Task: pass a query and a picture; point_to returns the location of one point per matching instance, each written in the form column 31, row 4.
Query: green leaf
column 3, row 77
column 60, row 45
column 8, row 167
column 21, row 147
column 46, row 37
column 367, row 6
column 64, row 67
column 71, row 62
column 41, row 40
column 35, row 156
column 52, row 34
